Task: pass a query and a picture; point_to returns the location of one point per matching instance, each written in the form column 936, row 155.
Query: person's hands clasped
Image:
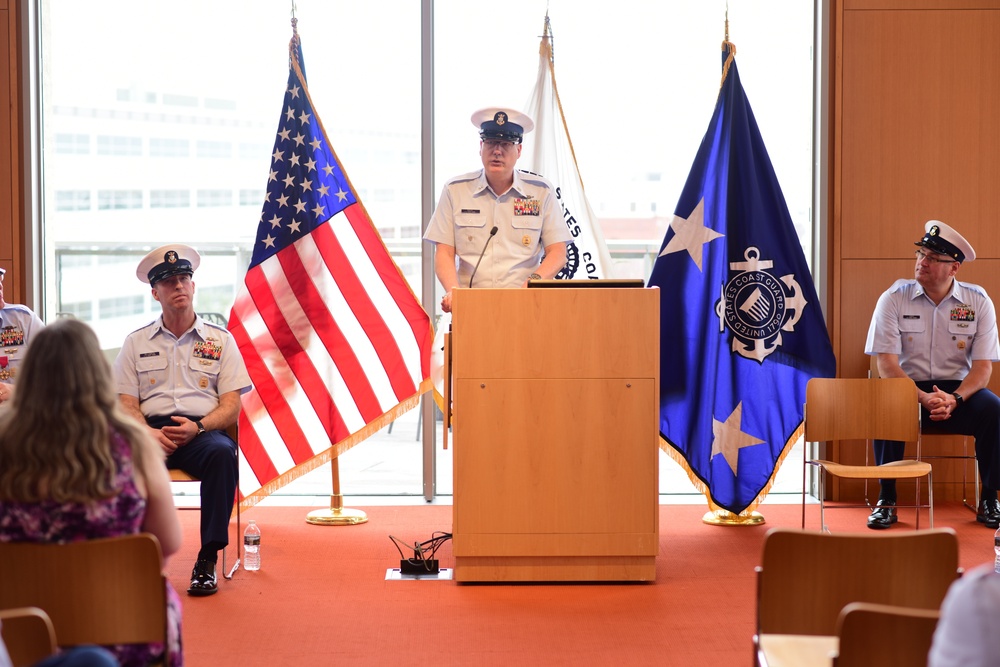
column 172, row 437
column 940, row 404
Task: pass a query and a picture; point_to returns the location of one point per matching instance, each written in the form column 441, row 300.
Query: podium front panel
column 555, row 396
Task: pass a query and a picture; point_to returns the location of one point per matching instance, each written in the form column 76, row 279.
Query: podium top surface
column 584, row 284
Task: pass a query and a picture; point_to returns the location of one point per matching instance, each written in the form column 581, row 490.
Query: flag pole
column 337, row 515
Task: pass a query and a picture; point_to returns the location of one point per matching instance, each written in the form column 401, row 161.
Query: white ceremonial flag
column 550, row 154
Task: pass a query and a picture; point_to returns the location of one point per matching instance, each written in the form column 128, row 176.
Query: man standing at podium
column 517, row 207
column 942, row 334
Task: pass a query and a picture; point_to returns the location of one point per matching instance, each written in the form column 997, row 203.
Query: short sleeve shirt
column 17, row 326
column 966, row 634
column 180, row 376
column 934, row 341
column 528, row 218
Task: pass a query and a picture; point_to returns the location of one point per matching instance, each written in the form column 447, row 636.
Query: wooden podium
column 555, row 400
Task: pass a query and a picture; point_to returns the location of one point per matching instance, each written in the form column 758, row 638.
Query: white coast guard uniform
column 527, row 218
column 17, row 325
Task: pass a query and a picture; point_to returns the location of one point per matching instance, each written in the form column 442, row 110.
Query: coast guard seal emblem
column 756, row 306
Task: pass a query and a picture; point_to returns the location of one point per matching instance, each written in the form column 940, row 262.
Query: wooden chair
column 27, row 634
column 965, row 455
column 875, row 635
column 852, row 409
column 181, row 476
column 808, row 577
column 105, row 591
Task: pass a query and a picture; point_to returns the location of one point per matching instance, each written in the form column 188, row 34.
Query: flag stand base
column 721, row 517
column 337, row 515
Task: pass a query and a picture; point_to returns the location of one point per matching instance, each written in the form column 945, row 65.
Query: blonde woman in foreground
column 74, row 466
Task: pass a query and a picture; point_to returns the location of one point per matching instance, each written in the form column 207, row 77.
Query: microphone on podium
column 493, row 232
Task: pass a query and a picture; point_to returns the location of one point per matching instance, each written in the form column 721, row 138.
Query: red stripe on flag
column 326, row 328
column 253, row 451
column 367, row 314
column 394, row 282
column 271, row 394
column 288, row 343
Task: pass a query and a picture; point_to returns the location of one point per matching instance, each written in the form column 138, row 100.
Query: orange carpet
column 321, row 597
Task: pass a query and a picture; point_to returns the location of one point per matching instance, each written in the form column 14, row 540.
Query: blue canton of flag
column 306, row 185
column 741, row 327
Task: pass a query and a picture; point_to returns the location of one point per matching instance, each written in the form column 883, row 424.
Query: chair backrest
column 105, row 591
column 861, row 409
column 875, row 635
column 27, row 634
column 807, row 577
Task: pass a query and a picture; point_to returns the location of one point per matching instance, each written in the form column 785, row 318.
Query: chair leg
column 239, row 546
column 930, row 496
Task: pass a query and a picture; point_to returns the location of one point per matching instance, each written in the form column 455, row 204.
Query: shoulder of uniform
column 19, row 308
column 901, row 284
column 978, row 289
column 142, row 328
column 464, row 178
column 213, row 325
column 537, row 180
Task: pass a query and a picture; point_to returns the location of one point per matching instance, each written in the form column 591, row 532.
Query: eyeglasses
column 493, row 144
column 923, row 256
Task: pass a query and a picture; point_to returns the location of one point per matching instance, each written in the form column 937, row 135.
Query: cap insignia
column 170, row 256
column 500, row 118
column 934, row 231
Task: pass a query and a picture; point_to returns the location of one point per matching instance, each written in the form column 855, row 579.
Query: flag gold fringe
column 336, row 450
column 703, row 489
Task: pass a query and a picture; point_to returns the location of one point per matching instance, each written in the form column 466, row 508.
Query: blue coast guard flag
column 741, row 328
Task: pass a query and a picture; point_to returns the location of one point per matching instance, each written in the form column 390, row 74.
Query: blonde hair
column 55, row 435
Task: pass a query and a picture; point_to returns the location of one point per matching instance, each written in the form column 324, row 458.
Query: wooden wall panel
column 919, row 138
column 6, row 94
column 914, row 136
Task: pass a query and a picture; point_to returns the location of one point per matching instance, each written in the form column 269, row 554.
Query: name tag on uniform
column 149, row 354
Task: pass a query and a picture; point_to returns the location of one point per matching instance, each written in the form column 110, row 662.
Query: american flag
column 336, row 343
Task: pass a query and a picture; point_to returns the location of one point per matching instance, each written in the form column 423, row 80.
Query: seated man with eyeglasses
column 517, row 207
column 17, row 325
column 942, row 334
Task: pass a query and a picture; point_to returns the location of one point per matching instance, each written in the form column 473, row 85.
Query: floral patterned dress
column 122, row 514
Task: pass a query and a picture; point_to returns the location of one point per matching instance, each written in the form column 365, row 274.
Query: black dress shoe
column 989, row 513
column 203, row 581
column 883, row 516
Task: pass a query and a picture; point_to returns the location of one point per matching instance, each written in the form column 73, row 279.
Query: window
column 115, row 199
column 112, row 145
column 159, row 147
column 169, row 198
column 82, row 310
column 251, row 197
column 215, row 198
column 215, row 149
column 72, row 144
column 120, row 305
column 212, row 134
column 73, row 200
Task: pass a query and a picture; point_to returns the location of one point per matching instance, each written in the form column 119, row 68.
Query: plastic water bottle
column 996, row 549
column 251, row 546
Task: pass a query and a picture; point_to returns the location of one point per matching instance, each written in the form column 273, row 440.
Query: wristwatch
column 201, row 427
column 534, row 276
column 958, row 398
